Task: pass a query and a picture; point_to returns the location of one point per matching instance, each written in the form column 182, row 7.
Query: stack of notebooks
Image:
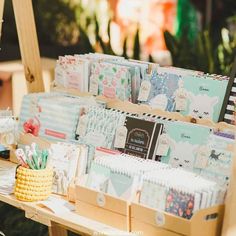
column 173, row 191
column 119, row 175
column 111, row 76
column 167, row 88
column 188, row 92
column 158, row 185
column 53, row 116
column 196, row 148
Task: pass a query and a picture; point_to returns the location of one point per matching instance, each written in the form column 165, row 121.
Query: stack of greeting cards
column 68, row 162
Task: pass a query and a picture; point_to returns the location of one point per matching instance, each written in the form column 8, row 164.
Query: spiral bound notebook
column 119, row 175
column 165, row 190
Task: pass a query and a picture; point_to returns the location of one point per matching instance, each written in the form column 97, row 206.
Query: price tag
column 202, row 157
column 9, row 138
column 163, row 145
column 93, row 88
column 144, row 91
column 181, row 100
column 160, row 218
column 181, row 104
column 82, row 126
column 120, row 138
column 101, row 200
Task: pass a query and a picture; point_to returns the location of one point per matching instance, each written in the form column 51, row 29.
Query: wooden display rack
column 101, row 207
column 33, row 74
column 153, row 223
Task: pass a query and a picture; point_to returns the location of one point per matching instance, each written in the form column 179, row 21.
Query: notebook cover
column 140, row 137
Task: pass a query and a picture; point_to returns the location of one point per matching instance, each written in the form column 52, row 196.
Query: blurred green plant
column 226, row 51
column 200, row 55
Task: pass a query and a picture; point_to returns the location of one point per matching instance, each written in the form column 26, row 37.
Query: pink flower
column 31, row 128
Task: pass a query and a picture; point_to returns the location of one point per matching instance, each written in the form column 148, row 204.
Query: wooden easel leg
column 56, row 230
column 28, row 41
column 1, row 15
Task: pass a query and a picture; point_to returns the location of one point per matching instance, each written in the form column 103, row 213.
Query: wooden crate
column 150, row 222
column 101, row 207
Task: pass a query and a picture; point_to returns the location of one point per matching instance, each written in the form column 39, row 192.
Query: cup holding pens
column 33, row 185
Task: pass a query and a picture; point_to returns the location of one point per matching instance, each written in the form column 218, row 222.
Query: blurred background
column 194, row 34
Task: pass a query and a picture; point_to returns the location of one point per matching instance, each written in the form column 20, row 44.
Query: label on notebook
column 181, row 96
column 93, row 88
column 163, row 146
column 181, row 102
column 202, row 157
column 120, row 138
column 144, row 91
column 82, row 126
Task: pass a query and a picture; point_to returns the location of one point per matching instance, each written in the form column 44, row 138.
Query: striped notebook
column 230, row 111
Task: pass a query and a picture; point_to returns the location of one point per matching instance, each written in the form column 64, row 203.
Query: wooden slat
column 28, row 41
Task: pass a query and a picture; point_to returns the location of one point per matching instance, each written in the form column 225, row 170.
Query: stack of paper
column 7, row 179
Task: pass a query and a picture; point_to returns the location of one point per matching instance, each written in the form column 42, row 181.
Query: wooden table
column 59, row 223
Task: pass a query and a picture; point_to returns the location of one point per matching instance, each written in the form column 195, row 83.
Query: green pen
column 35, row 161
column 30, row 164
column 44, row 159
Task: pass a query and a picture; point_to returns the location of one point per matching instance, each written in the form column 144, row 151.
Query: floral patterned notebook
column 111, row 81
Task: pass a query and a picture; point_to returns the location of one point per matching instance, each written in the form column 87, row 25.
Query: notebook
column 141, row 137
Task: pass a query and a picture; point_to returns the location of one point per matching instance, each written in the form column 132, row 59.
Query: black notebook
column 142, row 136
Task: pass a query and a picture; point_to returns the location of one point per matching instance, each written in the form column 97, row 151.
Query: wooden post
column 28, row 41
column 57, row 230
column 229, row 224
column 1, row 16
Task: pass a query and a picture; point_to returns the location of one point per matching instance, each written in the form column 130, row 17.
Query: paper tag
column 181, row 104
column 163, row 145
column 181, row 100
column 93, row 88
column 202, row 157
column 120, row 138
column 9, row 138
column 101, row 200
column 144, row 91
column 160, row 218
column 82, row 126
